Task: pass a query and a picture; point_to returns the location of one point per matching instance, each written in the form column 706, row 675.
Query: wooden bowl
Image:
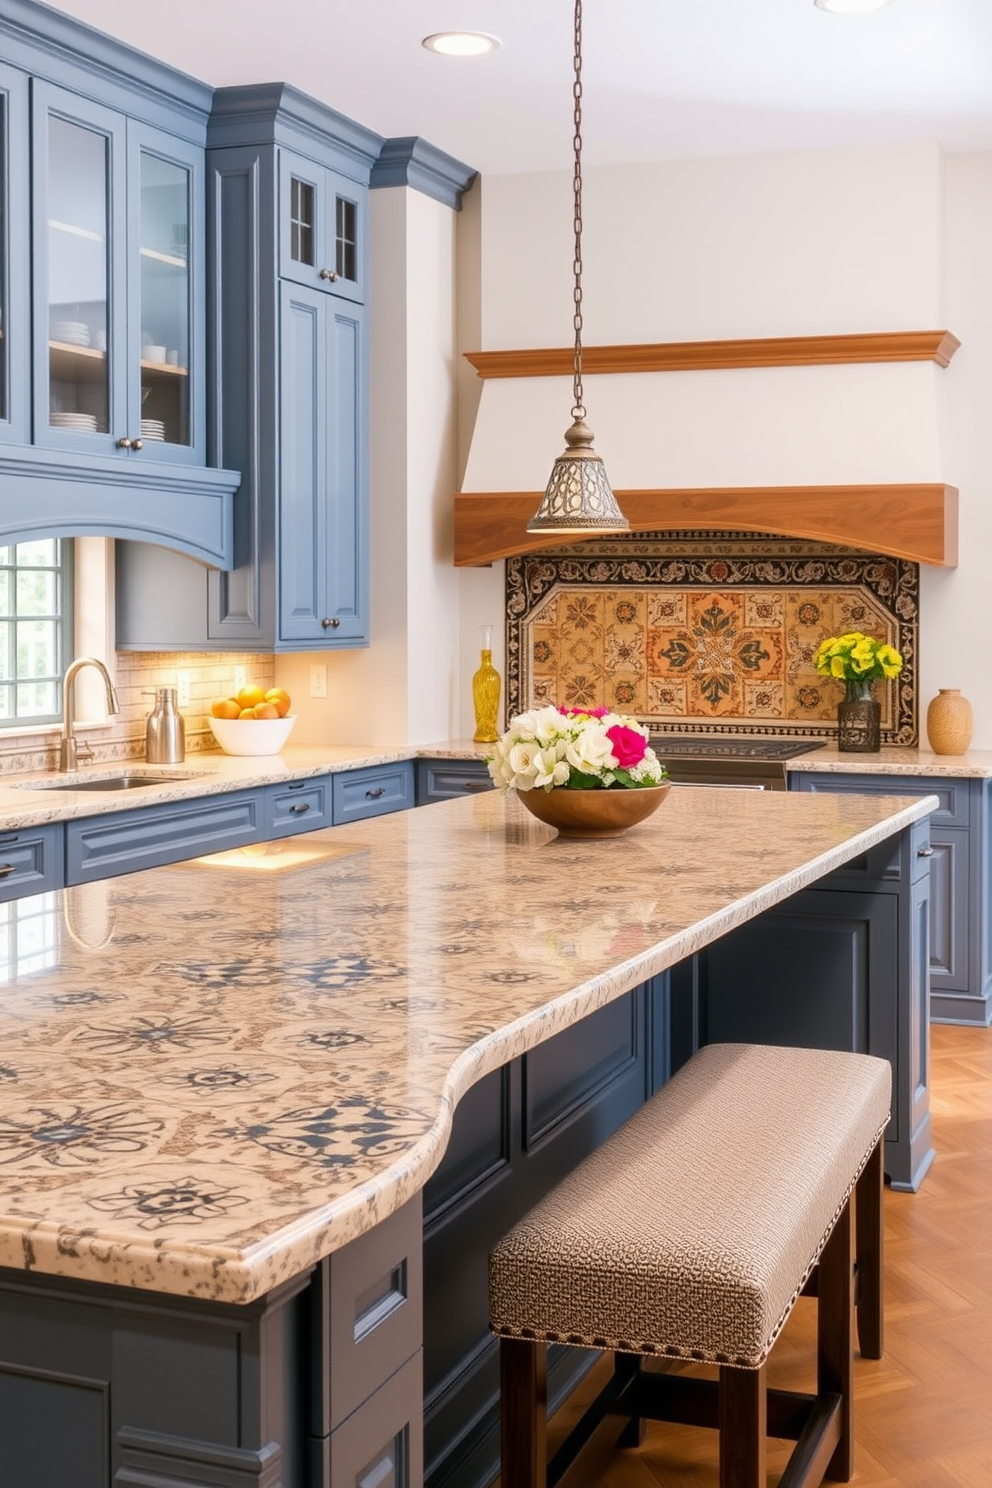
column 593, row 813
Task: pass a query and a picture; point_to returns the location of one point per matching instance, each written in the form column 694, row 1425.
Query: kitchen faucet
column 68, row 756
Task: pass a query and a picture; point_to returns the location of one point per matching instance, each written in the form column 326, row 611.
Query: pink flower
column 629, row 745
column 584, row 712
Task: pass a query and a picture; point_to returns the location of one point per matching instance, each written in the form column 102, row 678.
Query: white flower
column 591, row 751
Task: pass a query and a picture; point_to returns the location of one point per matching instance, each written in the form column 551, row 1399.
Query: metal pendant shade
column 579, row 497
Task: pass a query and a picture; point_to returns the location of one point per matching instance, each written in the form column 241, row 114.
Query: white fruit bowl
column 252, row 735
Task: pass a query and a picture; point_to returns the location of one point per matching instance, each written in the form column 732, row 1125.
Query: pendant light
column 578, row 498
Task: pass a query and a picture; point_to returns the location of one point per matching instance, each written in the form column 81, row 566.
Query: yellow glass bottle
column 485, row 692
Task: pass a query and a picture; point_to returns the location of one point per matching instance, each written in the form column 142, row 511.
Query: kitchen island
column 228, row 1082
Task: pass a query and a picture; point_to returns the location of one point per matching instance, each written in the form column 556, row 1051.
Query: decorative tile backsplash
column 706, row 632
column 136, row 674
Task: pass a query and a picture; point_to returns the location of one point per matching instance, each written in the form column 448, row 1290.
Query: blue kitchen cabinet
column 372, row 792
column 960, row 883
column 15, row 228
column 150, row 836
column 31, row 861
column 103, row 389
column 444, row 779
column 288, row 183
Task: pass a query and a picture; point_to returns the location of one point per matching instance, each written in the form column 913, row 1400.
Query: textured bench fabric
column 692, row 1231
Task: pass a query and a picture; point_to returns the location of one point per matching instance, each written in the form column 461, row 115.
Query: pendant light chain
column 578, row 410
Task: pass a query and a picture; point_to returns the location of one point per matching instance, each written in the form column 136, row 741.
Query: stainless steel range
column 750, row 764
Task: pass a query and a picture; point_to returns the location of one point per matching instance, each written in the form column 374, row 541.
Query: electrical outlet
column 318, row 681
column 182, row 688
column 240, row 677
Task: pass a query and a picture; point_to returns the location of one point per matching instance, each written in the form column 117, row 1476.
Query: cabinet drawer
column 299, row 806
column 440, row 780
column 375, row 1316
column 101, row 847
column 955, row 796
column 372, row 792
column 31, row 861
column 383, row 1442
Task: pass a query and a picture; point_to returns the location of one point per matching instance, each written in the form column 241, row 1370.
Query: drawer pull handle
column 381, row 1300
column 924, row 852
column 6, row 868
column 299, row 808
column 331, row 624
column 477, row 785
column 374, row 792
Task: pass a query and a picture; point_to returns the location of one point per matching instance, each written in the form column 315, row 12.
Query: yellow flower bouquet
column 857, row 660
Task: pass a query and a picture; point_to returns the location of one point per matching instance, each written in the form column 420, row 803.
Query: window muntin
column 35, row 630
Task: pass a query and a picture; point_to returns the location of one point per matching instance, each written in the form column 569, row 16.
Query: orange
column 228, row 707
column 247, row 713
column 280, row 698
column 265, row 710
column 250, row 695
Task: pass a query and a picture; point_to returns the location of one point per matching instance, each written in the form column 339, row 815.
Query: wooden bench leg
column 743, row 1427
column 633, row 1434
column 835, row 1341
column 523, row 1385
column 869, row 1249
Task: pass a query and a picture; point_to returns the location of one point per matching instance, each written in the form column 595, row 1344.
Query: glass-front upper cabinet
column 323, row 238
column 14, row 239
column 115, row 231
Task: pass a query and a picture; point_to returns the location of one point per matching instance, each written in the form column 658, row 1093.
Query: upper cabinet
column 103, row 389
column 288, row 197
column 119, row 286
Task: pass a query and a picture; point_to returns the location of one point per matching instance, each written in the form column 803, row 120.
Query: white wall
column 799, row 244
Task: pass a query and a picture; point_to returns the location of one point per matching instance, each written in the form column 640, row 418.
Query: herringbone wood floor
column 923, row 1413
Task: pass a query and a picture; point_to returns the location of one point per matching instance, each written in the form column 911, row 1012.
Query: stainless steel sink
column 109, row 783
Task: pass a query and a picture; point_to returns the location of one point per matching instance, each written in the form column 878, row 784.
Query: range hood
column 834, row 438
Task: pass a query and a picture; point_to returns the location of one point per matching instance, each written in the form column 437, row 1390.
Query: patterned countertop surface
column 215, row 1073
column 975, row 765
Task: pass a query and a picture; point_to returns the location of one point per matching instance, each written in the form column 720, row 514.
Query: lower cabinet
column 442, row 779
column 31, row 861
column 960, row 884
column 82, row 850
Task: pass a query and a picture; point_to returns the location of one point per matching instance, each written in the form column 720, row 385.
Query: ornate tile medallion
column 706, row 632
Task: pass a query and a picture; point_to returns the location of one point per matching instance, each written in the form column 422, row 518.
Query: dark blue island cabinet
column 376, row 1366
column 103, row 326
column 288, row 208
column 960, row 883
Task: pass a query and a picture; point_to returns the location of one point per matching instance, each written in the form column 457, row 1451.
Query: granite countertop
column 30, row 800
column 216, row 1073
column 892, row 760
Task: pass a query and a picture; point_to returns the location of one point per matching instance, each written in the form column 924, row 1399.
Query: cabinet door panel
column 166, row 297
column 347, row 553
column 322, row 228
column 80, row 286
column 15, row 352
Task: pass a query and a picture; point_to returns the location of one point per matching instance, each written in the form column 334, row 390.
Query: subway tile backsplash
column 137, row 674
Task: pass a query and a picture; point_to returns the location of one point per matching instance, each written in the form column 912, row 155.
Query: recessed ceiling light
column 461, row 43
column 851, row 7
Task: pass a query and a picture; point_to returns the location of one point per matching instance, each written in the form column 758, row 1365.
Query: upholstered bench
column 690, row 1234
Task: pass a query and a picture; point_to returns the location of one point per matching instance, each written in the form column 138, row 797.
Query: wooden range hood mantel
column 918, row 522
column 914, row 521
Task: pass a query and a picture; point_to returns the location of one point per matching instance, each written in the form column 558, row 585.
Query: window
column 35, row 630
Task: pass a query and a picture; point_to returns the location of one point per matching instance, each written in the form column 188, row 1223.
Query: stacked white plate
column 152, row 428
column 71, row 332
column 83, row 423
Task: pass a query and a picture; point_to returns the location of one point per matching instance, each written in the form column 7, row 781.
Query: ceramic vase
column 485, row 693
column 859, row 720
column 949, row 722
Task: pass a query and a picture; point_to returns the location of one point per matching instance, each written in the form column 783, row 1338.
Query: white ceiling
column 662, row 78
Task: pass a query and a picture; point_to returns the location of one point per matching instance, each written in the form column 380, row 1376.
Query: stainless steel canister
column 165, row 731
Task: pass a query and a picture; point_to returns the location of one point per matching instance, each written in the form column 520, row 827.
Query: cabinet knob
column 329, row 274
column 924, row 852
column 124, row 443
column 331, row 624
column 137, row 444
